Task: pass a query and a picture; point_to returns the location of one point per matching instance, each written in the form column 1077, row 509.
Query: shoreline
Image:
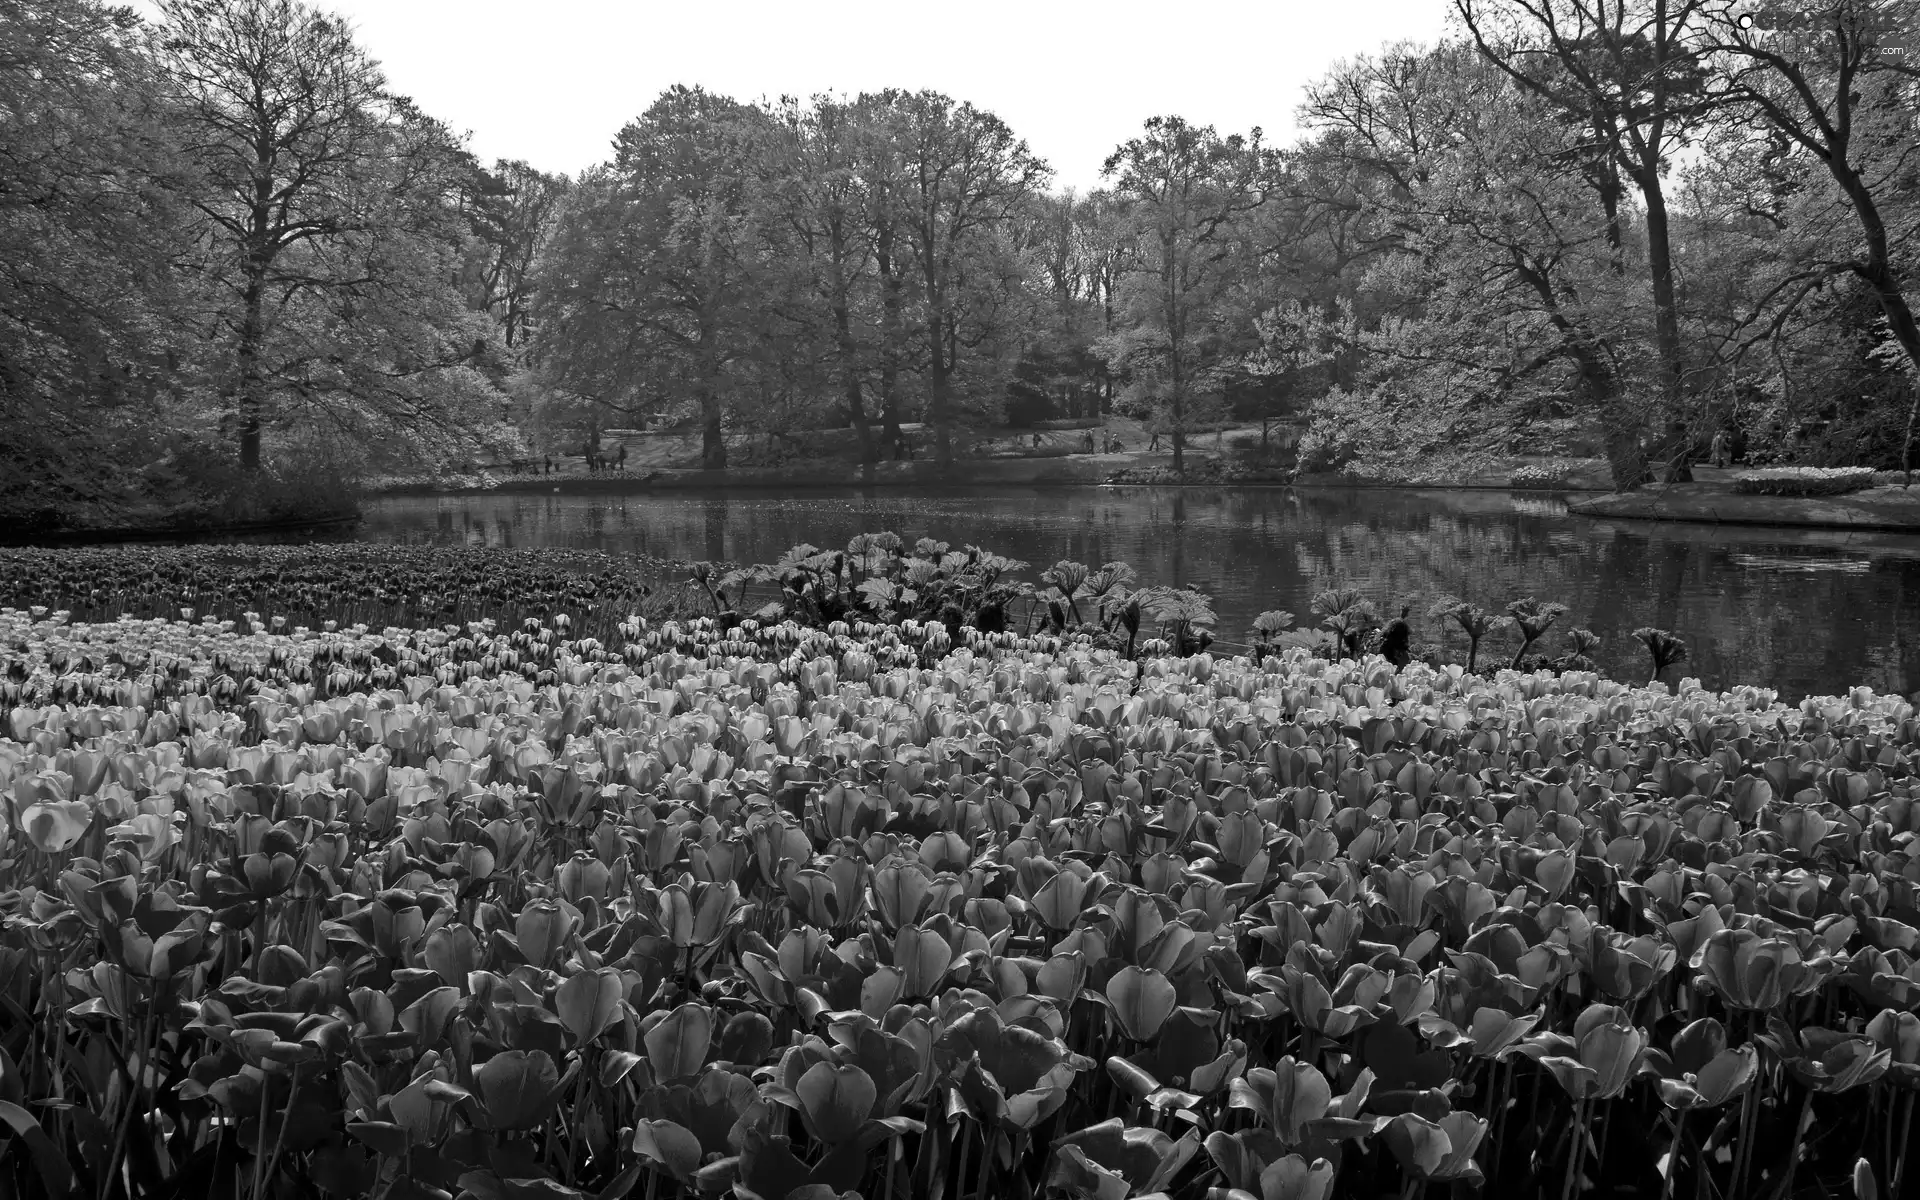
column 1080, row 471
column 169, row 533
column 1887, row 508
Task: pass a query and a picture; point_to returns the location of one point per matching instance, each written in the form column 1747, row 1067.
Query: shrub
column 1804, row 481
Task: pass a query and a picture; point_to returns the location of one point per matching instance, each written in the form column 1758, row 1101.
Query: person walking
column 620, row 459
column 1720, row 449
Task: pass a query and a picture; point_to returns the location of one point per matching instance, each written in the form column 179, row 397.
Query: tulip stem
column 1577, row 1150
column 960, row 1167
column 1799, row 1135
column 1906, row 1143
column 280, row 1141
column 1676, row 1120
column 1749, row 1117
column 986, row 1161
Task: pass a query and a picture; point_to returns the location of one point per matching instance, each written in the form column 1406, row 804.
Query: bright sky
column 552, row 81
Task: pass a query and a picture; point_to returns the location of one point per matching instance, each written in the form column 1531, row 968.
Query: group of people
column 1109, row 444
column 597, row 462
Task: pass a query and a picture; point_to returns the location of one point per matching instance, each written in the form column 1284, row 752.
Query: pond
column 1802, row 611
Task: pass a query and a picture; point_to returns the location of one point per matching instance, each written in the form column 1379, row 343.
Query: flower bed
column 798, row 912
column 1538, row 478
column 1804, row 481
column 344, row 583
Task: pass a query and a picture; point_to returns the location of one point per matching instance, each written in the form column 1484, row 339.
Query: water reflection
column 1801, row 611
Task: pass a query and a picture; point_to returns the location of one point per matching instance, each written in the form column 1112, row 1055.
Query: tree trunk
column 939, row 388
column 1666, row 316
column 251, row 381
column 890, row 331
column 1620, row 427
column 1177, row 406
column 713, row 435
column 850, row 366
column 713, row 440
column 1877, row 273
column 253, row 322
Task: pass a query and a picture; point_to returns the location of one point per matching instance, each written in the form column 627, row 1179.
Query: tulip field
column 584, row 901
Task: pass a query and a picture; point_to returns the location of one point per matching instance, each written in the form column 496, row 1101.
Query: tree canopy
column 228, row 248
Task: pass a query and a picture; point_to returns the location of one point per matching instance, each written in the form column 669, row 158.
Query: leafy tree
column 1184, row 188
column 963, row 178
column 1836, row 80
column 89, row 298
column 1627, row 74
column 332, row 234
column 512, row 211
column 1499, row 309
column 650, row 284
column 824, row 199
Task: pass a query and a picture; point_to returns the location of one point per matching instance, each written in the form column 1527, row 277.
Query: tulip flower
column 1185, row 1063
column 1601, row 1057
column 1296, row 1102
column 684, row 1126
column 518, row 1090
column 1005, row 1074
column 1437, row 1151
column 1898, row 1034
column 1888, row 979
column 1701, row 1071
column 1827, row 1060
column 1311, row 1004
column 1252, row 1176
column 1626, row 968
column 678, row 1042
column 1112, row 1161
column 1493, row 1033
column 1758, row 973
column 830, row 897
column 589, row 1003
column 55, row 825
column 1141, row 1001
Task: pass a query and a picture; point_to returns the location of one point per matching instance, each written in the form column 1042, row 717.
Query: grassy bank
column 1887, row 507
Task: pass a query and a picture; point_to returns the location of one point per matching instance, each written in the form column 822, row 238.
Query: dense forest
column 235, row 263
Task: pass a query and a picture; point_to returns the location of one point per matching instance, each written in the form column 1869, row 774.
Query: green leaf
column 55, row 1174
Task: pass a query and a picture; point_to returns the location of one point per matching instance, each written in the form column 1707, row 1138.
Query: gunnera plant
column 1533, row 619
column 1348, row 615
column 1474, row 621
column 1266, row 630
column 1664, row 648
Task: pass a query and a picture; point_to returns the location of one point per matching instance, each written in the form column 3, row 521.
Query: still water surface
column 1798, row 610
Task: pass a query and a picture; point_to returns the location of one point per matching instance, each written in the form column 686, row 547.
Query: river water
column 1797, row 610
